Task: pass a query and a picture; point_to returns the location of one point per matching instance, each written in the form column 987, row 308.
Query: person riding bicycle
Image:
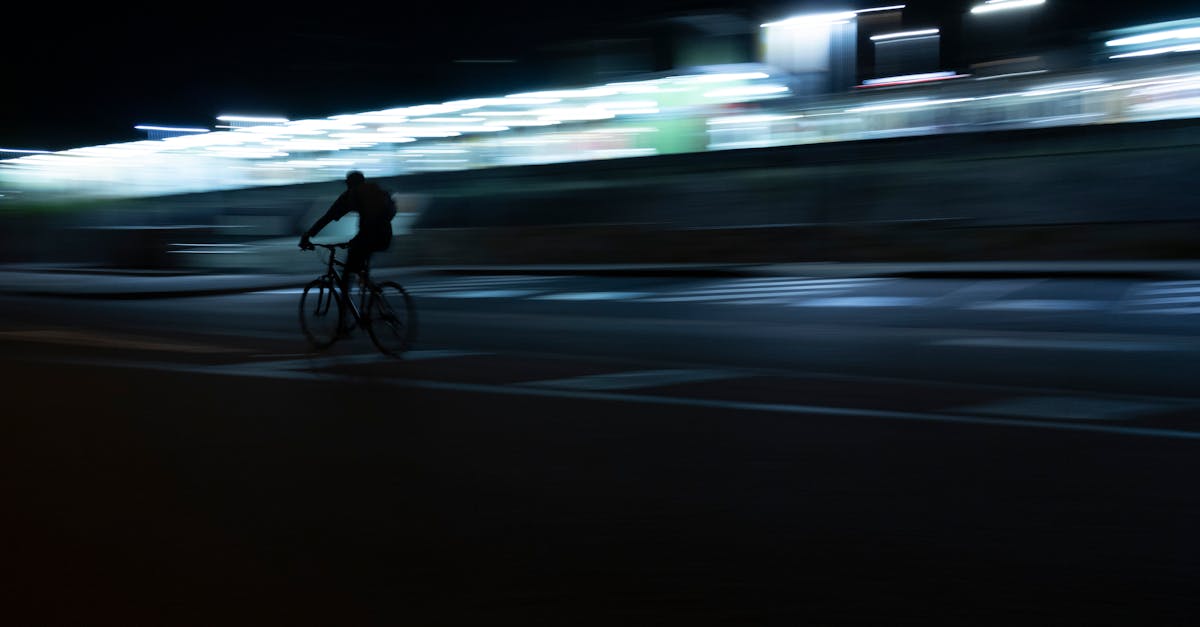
column 375, row 210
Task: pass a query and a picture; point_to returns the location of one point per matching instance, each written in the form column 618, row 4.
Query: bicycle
column 384, row 309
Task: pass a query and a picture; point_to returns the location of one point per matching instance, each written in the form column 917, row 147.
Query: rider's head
column 354, row 178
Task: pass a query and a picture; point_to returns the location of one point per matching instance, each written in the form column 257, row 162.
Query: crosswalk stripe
column 1064, row 408
column 863, row 301
column 483, row 293
column 1041, row 305
column 634, row 379
column 1171, row 300
column 739, row 297
column 815, row 284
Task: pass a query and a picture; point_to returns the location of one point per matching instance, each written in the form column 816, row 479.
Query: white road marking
column 592, row 296
column 786, row 290
column 483, row 294
column 1171, row 287
column 1170, row 311
column 316, row 360
column 1065, row 408
column 635, row 379
column 787, row 295
column 1041, row 305
column 1170, row 300
column 988, row 290
column 1060, row 344
column 104, row 340
column 864, row 301
column 778, row 408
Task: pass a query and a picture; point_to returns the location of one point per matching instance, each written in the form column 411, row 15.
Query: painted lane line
column 1041, row 305
column 480, row 294
column 1082, row 345
column 1171, row 287
column 789, row 295
column 1169, row 311
column 635, row 379
column 1065, row 408
column 531, row 391
column 593, row 296
column 865, row 301
column 100, row 340
column 733, row 288
column 316, row 361
column 1170, row 300
column 990, row 290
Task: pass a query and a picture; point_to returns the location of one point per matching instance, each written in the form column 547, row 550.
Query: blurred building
column 1001, row 37
column 658, row 45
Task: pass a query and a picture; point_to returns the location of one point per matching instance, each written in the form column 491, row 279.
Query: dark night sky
column 82, row 76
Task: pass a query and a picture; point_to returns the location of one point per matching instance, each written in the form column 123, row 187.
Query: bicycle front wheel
column 393, row 319
column 320, row 313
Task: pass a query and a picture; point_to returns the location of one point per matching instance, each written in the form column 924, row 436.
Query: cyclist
column 375, row 212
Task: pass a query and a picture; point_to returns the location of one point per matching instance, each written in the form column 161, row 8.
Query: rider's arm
column 339, row 208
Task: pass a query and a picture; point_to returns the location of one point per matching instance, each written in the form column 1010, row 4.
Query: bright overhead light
column 249, row 118
column 171, row 129
column 1179, row 33
column 894, row 7
column 992, row 6
column 1156, row 51
column 815, row 18
column 911, row 33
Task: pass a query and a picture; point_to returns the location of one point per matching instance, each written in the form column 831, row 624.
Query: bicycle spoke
column 391, row 318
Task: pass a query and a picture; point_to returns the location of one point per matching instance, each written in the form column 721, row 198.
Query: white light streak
column 170, row 129
column 816, row 18
column 248, row 118
column 992, row 6
column 1156, row 51
column 746, row 90
column 911, row 104
column 894, row 7
column 1148, row 38
column 910, row 78
column 23, row 151
column 902, row 35
column 1012, row 75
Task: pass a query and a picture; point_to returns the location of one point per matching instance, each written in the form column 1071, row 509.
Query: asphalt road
column 620, row 450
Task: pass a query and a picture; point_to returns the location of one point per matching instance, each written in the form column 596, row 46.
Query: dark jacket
column 375, row 211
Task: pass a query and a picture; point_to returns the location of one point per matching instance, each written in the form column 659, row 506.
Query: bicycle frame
column 384, row 309
column 365, row 285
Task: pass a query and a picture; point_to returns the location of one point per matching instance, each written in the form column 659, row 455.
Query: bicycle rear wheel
column 320, row 313
column 393, row 319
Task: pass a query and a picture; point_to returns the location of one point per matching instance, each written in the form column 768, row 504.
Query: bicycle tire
column 392, row 319
column 320, row 313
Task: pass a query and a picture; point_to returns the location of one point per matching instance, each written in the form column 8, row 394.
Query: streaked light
column 751, row 119
column 992, row 6
column 1012, row 75
column 746, row 90
column 170, row 129
column 441, row 120
column 1156, row 51
column 894, row 7
column 817, row 18
column 1063, row 88
column 910, row 78
column 1148, row 38
column 910, row 104
column 723, row 77
column 248, row 118
column 912, row 33
column 22, row 151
